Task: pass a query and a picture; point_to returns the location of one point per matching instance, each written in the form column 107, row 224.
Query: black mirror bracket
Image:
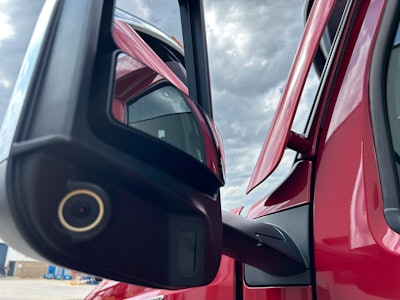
column 261, row 245
column 196, row 57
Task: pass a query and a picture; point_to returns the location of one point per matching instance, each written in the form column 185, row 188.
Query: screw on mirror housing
column 86, row 192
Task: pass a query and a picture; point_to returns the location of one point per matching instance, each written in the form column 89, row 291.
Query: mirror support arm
column 196, row 57
column 261, row 245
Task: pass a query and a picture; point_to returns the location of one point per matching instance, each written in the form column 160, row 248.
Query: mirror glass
column 164, row 114
column 146, row 101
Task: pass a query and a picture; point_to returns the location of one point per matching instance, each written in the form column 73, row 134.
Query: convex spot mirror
column 95, row 185
column 145, row 101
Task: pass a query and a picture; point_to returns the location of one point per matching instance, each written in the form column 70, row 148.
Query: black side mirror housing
column 84, row 191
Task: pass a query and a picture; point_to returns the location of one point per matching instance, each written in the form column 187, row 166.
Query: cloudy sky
column 251, row 46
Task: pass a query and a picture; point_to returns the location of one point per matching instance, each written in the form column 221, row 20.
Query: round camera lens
column 81, row 210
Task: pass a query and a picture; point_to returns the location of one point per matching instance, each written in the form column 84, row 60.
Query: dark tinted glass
column 393, row 98
column 164, row 114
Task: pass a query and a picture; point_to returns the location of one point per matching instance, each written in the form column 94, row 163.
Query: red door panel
column 278, row 293
column 357, row 255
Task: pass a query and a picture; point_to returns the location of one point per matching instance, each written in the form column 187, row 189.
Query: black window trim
column 323, row 66
column 380, row 125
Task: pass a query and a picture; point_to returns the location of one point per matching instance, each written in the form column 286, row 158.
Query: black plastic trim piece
column 263, row 245
column 295, row 223
column 380, row 126
column 196, row 57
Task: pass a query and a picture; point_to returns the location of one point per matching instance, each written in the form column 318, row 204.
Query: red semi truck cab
column 340, row 204
column 70, row 180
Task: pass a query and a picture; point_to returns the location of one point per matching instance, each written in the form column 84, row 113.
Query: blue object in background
column 54, row 272
column 3, row 256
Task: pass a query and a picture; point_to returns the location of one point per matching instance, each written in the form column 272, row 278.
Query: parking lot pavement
column 42, row 289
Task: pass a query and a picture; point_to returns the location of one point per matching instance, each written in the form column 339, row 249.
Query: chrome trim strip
column 26, row 75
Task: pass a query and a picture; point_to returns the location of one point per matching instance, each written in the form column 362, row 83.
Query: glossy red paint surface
column 223, row 287
column 293, row 191
column 238, row 210
column 130, row 42
column 214, row 154
column 132, row 77
column 357, row 256
column 278, row 293
column 278, row 135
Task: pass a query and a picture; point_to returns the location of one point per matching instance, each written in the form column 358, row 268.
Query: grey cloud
column 252, row 45
column 163, row 14
column 251, row 48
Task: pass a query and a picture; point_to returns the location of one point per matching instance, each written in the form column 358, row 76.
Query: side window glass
column 393, row 98
column 314, row 77
column 385, row 112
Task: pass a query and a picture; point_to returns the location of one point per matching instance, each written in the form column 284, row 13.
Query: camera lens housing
column 84, row 210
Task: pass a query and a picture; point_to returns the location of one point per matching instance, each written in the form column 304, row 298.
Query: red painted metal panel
column 279, row 133
column 357, row 255
column 294, row 191
column 278, row 293
column 130, row 42
column 223, row 287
